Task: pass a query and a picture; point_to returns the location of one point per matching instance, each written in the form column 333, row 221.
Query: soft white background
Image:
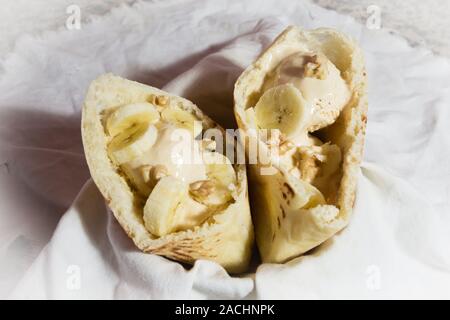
column 395, row 246
column 422, row 23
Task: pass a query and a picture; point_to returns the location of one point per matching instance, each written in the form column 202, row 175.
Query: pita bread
column 281, row 234
column 225, row 238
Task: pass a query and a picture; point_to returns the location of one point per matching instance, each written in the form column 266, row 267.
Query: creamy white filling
column 332, row 88
column 176, row 150
column 325, row 92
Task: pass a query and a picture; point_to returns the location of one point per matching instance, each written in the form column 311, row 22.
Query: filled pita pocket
column 303, row 103
column 170, row 188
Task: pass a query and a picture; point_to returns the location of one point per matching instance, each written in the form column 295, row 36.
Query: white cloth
column 396, row 246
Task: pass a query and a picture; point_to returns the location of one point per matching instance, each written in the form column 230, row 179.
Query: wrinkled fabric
column 52, row 246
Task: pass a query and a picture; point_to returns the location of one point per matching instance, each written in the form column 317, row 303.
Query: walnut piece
column 201, row 188
column 162, row 100
column 209, row 145
column 158, row 100
column 158, row 172
column 152, row 174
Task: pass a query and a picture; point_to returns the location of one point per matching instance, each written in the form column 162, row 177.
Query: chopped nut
column 201, row 188
column 152, row 174
column 314, row 152
column 309, row 168
column 208, row 144
column 152, row 99
column 210, row 193
column 315, row 67
column 162, row 100
column 145, row 172
column 285, row 146
column 273, row 137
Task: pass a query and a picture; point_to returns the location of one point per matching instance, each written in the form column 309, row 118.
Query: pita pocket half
column 303, row 102
column 172, row 191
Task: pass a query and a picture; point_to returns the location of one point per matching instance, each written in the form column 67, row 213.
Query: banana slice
column 219, row 168
column 282, row 107
column 304, row 195
column 132, row 142
column 130, row 114
column 181, row 117
column 161, row 205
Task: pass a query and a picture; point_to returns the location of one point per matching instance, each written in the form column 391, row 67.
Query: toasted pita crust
column 227, row 239
column 347, row 132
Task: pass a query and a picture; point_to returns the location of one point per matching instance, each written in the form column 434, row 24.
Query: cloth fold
column 396, row 245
